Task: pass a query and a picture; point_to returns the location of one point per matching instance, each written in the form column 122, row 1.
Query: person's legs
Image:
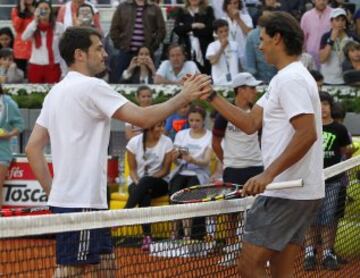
column 177, row 183
column 282, row 263
column 35, row 73
column 252, row 261
column 52, row 73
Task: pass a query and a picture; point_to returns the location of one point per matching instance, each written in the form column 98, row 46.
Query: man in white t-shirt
column 173, row 70
column 75, row 119
column 289, row 114
column 223, row 55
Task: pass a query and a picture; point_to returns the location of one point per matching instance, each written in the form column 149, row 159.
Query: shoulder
column 165, row 139
column 134, row 141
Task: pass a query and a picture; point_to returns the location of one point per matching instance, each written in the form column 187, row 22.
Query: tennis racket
column 221, row 191
column 24, row 211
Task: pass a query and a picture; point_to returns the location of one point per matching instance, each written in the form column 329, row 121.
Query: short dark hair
column 143, row 88
column 288, row 27
column 176, row 45
column 317, row 75
column 227, row 2
column 197, row 109
column 6, row 52
column 338, row 111
column 325, row 96
column 218, row 23
column 76, row 38
column 350, row 45
column 7, row 31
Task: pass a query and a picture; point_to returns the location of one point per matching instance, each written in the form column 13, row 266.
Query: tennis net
column 192, row 240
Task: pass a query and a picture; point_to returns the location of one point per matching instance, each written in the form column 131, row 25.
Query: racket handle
column 285, row 184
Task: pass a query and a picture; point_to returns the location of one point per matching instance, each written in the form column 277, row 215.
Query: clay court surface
column 36, row 258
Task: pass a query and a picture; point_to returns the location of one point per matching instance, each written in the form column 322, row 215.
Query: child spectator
column 143, row 98
column 21, row 16
column 141, row 69
column 173, row 70
column 44, row 32
column 6, row 38
column 11, row 124
column 352, row 56
column 223, row 55
column 149, row 157
column 177, row 121
column 193, row 25
column 192, row 159
column 9, row 72
column 336, row 143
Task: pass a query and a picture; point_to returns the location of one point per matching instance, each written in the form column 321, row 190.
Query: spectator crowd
column 219, row 38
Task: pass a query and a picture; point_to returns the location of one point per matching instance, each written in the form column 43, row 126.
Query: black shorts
column 241, row 175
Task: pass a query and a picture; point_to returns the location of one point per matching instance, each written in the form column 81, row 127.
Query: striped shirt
column 138, row 38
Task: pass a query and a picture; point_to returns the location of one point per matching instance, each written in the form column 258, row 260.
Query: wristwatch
column 211, row 97
column 330, row 42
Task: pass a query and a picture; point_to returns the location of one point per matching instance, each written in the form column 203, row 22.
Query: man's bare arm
column 194, row 87
column 34, row 151
column 247, row 122
column 302, row 140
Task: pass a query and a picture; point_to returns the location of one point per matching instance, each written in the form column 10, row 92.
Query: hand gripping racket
column 221, row 191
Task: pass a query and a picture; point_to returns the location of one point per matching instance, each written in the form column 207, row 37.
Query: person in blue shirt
column 177, row 121
column 11, row 124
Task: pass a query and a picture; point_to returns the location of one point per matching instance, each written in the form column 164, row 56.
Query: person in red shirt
column 21, row 16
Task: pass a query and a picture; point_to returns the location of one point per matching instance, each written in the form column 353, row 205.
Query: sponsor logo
column 21, row 193
column 15, row 173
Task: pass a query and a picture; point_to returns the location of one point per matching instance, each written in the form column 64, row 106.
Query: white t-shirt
column 228, row 62
column 236, row 34
column 197, row 148
column 240, row 149
column 293, row 91
column 154, row 156
column 77, row 113
column 166, row 70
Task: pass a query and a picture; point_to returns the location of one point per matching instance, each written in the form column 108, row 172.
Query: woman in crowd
column 143, row 98
column 192, row 155
column 44, row 32
column 149, row 156
column 193, row 25
column 141, row 69
column 240, row 24
column 21, row 16
column 6, row 38
column 11, row 124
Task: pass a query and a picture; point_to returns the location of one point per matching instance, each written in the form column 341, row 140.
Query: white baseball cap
column 337, row 12
column 245, row 79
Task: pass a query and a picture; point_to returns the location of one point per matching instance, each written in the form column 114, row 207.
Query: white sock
column 327, row 252
column 309, row 251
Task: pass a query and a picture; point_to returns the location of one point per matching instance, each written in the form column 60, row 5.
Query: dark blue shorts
column 81, row 247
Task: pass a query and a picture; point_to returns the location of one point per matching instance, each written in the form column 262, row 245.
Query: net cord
column 48, row 224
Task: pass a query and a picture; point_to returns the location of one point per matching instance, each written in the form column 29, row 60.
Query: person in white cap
column 239, row 153
column 331, row 48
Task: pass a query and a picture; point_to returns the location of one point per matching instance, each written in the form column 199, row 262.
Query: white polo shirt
column 77, row 113
column 166, row 70
column 293, row 91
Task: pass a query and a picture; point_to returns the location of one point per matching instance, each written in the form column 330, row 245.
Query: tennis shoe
column 146, row 243
column 330, row 262
column 309, row 263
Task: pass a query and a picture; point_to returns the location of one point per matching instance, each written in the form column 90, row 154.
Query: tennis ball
column 2, row 131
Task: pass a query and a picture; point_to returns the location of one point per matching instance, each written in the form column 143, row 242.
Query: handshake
column 197, row 86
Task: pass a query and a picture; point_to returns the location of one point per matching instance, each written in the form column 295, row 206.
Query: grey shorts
column 275, row 222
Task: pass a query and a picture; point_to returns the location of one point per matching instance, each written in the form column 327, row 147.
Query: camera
column 182, row 150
